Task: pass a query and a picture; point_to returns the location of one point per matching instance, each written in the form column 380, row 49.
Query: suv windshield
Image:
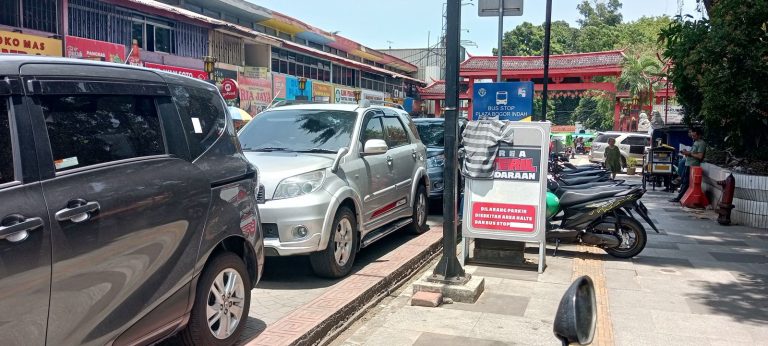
column 299, row 130
column 432, row 133
column 603, row 138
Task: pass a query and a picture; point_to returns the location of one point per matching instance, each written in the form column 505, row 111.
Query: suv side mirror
column 375, row 147
column 576, row 317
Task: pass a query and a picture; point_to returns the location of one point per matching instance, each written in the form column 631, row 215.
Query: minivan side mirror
column 375, row 147
column 576, row 317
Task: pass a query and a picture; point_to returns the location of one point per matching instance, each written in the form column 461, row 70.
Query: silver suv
column 336, row 178
column 630, row 145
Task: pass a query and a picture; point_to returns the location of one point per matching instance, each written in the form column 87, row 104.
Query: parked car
column 630, row 145
column 336, row 178
column 432, row 133
column 128, row 210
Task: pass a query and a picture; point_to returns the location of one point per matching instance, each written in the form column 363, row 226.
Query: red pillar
column 617, row 115
column 470, row 92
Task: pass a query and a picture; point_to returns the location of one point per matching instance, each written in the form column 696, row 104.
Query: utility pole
column 501, row 34
column 449, row 269
column 547, row 29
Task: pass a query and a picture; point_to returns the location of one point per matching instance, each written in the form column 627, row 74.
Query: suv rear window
column 637, row 140
column 6, row 154
column 603, row 137
column 203, row 115
column 94, row 129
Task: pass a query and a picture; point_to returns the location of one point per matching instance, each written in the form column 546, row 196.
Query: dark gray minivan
column 127, row 209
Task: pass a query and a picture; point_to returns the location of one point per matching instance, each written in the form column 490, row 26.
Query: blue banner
column 503, row 101
column 292, row 88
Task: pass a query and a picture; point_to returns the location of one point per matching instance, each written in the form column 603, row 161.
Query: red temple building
column 570, row 75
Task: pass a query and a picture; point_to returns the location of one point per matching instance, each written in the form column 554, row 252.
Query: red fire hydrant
column 726, row 202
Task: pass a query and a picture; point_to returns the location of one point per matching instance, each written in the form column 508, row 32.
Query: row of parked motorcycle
column 584, row 205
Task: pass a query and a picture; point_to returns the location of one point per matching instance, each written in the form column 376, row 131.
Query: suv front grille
column 270, row 230
column 260, row 196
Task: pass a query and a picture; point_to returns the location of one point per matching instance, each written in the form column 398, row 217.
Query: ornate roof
column 436, row 87
column 563, row 61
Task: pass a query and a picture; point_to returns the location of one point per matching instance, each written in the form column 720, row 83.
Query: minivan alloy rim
column 226, row 299
column 343, row 242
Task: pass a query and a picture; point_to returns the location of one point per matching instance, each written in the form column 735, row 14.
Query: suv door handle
column 413, row 153
column 389, row 160
column 77, row 211
column 18, row 227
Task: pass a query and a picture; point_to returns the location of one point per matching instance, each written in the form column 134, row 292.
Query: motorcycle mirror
column 576, row 316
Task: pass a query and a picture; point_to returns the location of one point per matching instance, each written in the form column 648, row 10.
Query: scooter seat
column 583, row 180
column 571, row 198
column 583, row 173
column 591, row 190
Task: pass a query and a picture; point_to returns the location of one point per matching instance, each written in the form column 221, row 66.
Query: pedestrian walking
column 693, row 158
column 612, row 158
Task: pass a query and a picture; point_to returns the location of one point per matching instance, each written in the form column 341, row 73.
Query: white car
column 630, row 145
column 337, row 177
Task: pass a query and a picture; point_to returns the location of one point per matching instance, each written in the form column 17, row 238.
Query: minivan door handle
column 15, row 228
column 77, row 211
column 389, row 160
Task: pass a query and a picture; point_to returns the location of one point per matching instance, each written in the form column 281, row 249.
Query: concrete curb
column 328, row 315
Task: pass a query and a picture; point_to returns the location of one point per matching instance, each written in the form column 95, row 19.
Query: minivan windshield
column 432, row 133
column 299, row 130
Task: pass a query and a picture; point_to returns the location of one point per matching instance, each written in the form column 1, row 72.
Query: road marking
column 590, row 263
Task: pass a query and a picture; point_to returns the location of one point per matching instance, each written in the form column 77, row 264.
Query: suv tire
column 224, row 269
column 338, row 257
column 418, row 223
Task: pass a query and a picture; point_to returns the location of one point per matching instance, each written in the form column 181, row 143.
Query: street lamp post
column 501, row 8
column 545, row 87
column 449, row 270
column 209, row 64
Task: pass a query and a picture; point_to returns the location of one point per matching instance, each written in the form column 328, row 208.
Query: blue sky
column 408, row 23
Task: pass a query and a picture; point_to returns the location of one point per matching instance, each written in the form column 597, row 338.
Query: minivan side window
column 636, row 140
column 603, row 138
column 202, row 114
column 6, row 152
column 396, row 133
column 93, row 129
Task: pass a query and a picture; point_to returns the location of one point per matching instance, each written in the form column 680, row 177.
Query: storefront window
column 39, row 15
column 163, row 40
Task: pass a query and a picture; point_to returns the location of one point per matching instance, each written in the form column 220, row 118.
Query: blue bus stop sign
column 503, row 101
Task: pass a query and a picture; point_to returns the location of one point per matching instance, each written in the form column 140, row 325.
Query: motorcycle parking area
column 696, row 283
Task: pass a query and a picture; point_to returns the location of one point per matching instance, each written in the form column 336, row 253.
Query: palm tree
column 638, row 76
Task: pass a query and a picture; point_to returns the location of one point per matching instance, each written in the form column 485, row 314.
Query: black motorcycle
column 601, row 217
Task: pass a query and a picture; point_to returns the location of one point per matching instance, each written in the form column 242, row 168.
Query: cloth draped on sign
column 481, row 141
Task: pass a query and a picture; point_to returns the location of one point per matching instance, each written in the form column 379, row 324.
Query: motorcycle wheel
column 632, row 229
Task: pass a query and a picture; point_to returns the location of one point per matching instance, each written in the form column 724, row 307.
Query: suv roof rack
column 282, row 103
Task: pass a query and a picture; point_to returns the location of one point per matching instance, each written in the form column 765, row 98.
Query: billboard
column 503, row 101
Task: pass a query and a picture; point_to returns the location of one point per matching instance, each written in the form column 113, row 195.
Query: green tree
column 719, row 73
column 526, row 39
column 642, row 36
column 639, row 76
column 595, row 111
column 597, row 38
column 597, row 12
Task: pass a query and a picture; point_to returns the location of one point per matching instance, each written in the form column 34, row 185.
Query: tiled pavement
column 696, row 283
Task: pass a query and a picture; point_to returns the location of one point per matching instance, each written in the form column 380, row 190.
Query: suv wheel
column 222, row 302
column 337, row 258
column 420, row 207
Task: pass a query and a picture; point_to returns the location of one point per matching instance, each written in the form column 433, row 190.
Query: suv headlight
column 301, row 184
column 436, row 161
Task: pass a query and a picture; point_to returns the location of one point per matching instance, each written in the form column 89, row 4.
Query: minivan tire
column 197, row 331
column 418, row 223
column 324, row 263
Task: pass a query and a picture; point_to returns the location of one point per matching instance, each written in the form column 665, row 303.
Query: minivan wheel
column 222, row 303
column 337, row 258
column 420, row 208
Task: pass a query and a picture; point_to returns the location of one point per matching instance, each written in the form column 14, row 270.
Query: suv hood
column 276, row 166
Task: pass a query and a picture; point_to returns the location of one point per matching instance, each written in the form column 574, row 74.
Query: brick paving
column 696, row 283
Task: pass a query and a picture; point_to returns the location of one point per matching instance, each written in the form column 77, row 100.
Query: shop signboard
column 256, row 72
column 16, row 43
column 292, row 90
column 279, row 86
column 512, row 204
column 344, row 95
column 503, row 101
column 255, row 92
column 83, row 48
column 376, row 97
column 189, row 72
column 229, row 89
column 322, row 92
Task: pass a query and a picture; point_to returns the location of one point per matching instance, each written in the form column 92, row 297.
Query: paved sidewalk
column 696, row 283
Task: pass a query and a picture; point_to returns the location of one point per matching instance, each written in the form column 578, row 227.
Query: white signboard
column 512, row 205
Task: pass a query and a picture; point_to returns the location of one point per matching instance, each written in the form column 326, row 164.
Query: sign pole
column 544, row 96
column 501, row 33
column 449, row 270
